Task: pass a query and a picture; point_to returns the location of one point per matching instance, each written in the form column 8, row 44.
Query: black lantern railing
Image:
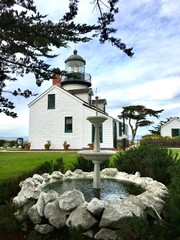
column 76, row 77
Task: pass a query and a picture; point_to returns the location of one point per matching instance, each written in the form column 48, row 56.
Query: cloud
column 150, row 78
column 17, row 127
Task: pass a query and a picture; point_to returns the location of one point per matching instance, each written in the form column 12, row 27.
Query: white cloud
column 150, row 78
column 170, row 8
column 15, row 127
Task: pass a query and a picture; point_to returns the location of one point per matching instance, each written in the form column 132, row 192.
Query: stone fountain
column 98, row 218
column 97, row 156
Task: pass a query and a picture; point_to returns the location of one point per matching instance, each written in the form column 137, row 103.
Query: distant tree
column 157, row 129
column 27, row 39
column 137, row 117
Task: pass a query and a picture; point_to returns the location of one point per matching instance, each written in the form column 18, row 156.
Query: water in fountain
column 110, row 189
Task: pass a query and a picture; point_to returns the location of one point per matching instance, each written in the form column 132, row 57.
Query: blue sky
column 150, row 78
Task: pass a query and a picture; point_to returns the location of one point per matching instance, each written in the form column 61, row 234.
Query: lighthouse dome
column 75, row 57
column 75, row 76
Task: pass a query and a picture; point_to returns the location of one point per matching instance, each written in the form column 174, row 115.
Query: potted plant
column 47, row 145
column 119, row 147
column 27, row 145
column 66, row 145
column 91, row 146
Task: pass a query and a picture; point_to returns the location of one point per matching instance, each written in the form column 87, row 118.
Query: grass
column 177, row 150
column 13, row 164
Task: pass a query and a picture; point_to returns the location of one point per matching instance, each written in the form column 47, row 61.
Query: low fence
column 169, row 143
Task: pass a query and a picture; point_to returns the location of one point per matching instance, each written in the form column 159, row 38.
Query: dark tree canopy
column 137, row 117
column 27, row 39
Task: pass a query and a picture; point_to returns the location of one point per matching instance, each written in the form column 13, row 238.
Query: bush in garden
column 151, row 136
column 10, row 187
column 173, row 204
column 137, row 228
column 87, row 165
column 166, row 141
column 8, row 222
column 2, row 142
column 150, row 160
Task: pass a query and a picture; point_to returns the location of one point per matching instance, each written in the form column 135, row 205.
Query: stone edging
column 71, row 209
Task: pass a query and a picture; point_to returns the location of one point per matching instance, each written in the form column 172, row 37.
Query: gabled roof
column 68, row 93
column 73, row 96
column 48, row 90
column 177, row 119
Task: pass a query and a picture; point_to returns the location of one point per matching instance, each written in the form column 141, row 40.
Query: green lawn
column 176, row 151
column 13, row 164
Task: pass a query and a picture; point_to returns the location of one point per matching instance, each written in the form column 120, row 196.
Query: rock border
column 71, row 210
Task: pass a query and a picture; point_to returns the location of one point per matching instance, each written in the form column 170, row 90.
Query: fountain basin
column 96, row 119
column 98, row 156
column 104, row 214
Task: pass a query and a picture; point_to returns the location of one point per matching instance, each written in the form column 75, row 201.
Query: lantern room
column 75, row 71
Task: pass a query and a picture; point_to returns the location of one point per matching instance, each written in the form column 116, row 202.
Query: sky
column 150, row 78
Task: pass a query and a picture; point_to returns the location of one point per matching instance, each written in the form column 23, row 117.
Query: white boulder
column 81, row 218
column 71, row 199
column 116, row 211
column 57, row 218
column 106, row 234
column 34, row 215
column 95, row 206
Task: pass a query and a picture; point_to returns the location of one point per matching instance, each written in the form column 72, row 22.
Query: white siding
column 101, row 106
column 48, row 124
column 83, row 96
column 73, row 86
column 166, row 128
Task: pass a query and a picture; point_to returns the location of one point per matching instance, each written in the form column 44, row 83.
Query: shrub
column 8, row 222
column 150, row 160
column 59, row 165
column 151, row 136
column 161, row 141
column 33, row 235
column 10, row 187
column 87, row 165
column 83, row 164
column 137, row 228
column 177, row 137
column 173, row 204
column 2, row 142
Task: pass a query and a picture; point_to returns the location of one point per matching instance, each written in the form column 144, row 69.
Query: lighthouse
column 75, row 77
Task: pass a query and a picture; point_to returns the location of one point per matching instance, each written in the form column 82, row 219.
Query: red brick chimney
column 57, row 80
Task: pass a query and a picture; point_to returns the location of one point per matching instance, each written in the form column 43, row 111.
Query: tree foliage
column 27, row 38
column 137, row 117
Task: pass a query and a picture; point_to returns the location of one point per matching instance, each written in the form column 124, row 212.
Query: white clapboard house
column 171, row 128
column 60, row 113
